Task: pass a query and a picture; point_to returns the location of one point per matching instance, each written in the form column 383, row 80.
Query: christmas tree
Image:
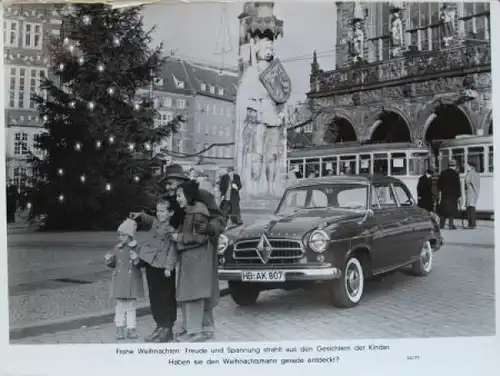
column 97, row 149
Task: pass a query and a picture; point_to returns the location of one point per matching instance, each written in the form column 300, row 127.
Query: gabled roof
column 194, row 76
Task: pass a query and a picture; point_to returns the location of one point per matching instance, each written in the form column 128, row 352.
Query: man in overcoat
column 12, row 201
column 472, row 186
column 230, row 186
column 424, row 191
column 173, row 178
column 449, row 192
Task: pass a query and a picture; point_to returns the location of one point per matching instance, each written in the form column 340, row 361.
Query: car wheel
column 423, row 266
column 348, row 290
column 243, row 294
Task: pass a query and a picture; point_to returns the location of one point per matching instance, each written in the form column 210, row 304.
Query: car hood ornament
column 264, row 249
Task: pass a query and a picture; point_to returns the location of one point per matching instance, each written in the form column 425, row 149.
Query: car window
column 342, row 196
column 352, row 198
column 385, row 196
column 318, row 199
column 402, row 194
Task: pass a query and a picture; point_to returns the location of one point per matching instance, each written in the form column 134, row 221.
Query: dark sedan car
column 337, row 230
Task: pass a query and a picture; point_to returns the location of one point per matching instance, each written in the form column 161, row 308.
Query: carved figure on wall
column 262, row 92
column 356, row 41
column 447, row 17
column 397, row 30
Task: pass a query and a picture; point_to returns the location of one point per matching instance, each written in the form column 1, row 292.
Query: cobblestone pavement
column 59, row 275
column 457, row 299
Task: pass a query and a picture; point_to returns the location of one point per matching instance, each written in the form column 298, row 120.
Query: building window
column 476, row 20
column 10, row 33
column 229, row 112
column 203, row 86
column 181, row 103
column 214, row 109
column 221, row 91
column 21, row 143
column 32, row 35
column 23, row 83
column 167, row 102
column 212, row 89
column 208, row 108
column 20, row 176
column 424, row 32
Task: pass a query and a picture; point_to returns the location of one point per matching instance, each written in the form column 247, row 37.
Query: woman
column 472, row 185
column 195, row 266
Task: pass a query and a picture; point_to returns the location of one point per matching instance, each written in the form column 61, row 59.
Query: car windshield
column 342, row 196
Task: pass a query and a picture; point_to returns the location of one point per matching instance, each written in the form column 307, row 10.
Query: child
column 159, row 257
column 195, row 264
column 126, row 282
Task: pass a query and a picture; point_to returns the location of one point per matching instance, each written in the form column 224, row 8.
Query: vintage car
column 339, row 231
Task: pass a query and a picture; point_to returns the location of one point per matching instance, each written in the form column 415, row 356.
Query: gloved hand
column 204, row 228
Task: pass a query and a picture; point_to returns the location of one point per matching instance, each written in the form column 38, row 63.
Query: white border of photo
column 454, row 356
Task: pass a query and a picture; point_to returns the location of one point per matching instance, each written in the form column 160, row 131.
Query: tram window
column 458, row 154
column 476, row 155
column 347, row 165
column 444, row 157
column 419, row 162
column 398, row 164
column 297, row 166
column 381, row 164
column 365, row 162
column 312, row 168
column 490, row 159
column 329, row 166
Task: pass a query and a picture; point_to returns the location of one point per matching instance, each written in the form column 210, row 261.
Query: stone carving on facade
column 397, row 32
column 447, row 18
column 260, row 117
column 356, row 35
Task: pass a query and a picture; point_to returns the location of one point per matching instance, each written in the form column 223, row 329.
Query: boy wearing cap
column 126, row 282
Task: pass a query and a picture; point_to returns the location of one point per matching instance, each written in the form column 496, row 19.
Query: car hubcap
column 426, row 257
column 354, row 280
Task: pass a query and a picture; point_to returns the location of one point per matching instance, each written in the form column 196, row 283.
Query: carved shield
column 277, row 82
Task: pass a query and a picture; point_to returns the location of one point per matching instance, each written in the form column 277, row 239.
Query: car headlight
column 222, row 244
column 318, row 241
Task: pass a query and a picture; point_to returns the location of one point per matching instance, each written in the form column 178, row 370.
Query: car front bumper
column 292, row 274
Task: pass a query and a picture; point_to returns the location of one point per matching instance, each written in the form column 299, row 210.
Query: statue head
column 264, row 49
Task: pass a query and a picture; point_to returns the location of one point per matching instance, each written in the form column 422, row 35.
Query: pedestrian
column 472, row 187
column 449, row 194
column 230, row 186
column 126, row 282
column 424, row 191
column 158, row 257
column 174, row 177
column 192, row 174
column 194, row 286
column 291, row 178
column 12, row 201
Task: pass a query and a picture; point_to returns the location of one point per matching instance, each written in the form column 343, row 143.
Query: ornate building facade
column 406, row 72
column 27, row 31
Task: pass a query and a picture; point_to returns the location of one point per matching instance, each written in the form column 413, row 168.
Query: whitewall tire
column 348, row 290
column 423, row 266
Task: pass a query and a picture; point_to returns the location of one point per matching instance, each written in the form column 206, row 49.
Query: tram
column 406, row 161
column 479, row 149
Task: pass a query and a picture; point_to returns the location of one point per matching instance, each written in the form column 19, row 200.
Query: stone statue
column 447, row 17
column 356, row 41
column 397, row 30
column 261, row 149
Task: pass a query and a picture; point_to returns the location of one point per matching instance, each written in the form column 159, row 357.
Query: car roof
column 367, row 179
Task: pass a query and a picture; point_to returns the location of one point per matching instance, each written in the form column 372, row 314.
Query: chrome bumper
column 305, row 274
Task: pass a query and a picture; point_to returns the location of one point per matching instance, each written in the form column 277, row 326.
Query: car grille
column 284, row 252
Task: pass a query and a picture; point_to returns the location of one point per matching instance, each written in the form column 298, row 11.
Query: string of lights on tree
column 75, row 55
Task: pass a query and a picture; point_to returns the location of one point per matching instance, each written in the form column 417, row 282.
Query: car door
column 412, row 228
column 386, row 216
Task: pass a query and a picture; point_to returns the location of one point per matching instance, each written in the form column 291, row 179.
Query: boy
column 158, row 255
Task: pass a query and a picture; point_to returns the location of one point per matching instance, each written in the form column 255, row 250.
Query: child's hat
column 128, row 227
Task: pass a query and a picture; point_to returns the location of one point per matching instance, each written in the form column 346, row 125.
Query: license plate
column 263, row 276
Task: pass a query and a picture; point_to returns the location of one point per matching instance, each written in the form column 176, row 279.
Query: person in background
column 472, row 186
column 12, row 200
column 158, row 256
column 230, row 186
column 424, row 191
column 449, row 193
column 296, row 170
column 192, row 174
column 126, row 282
column 291, row 177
